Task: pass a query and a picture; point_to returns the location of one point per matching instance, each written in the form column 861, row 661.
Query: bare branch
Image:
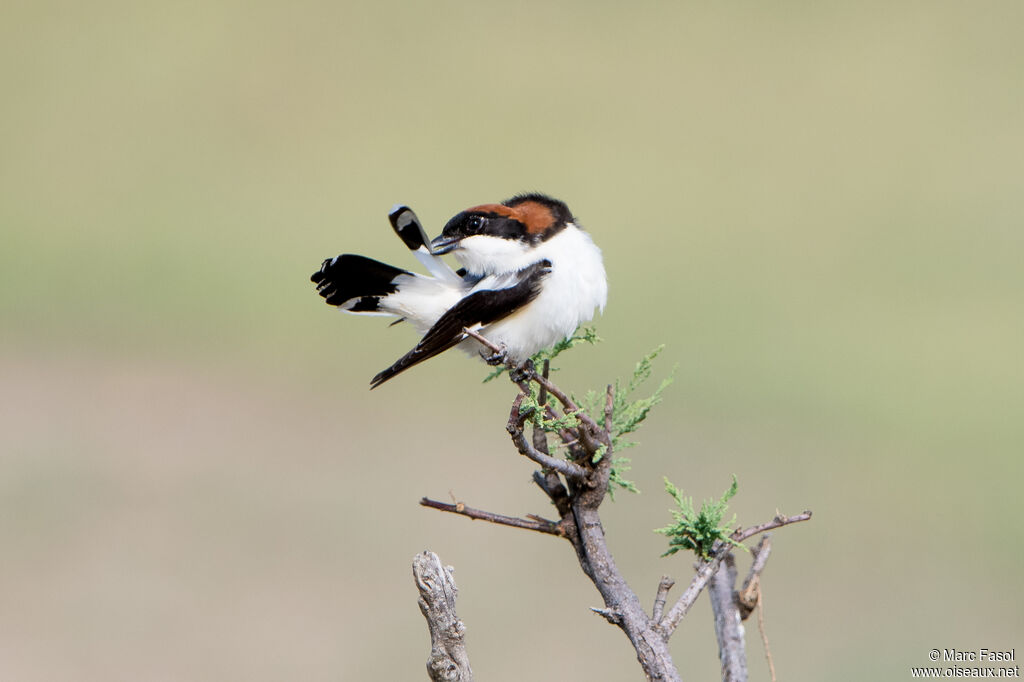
column 750, row 594
column 542, row 398
column 496, row 349
column 728, row 631
column 609, row 406
column 448, row 660
column 779, row 521
column 534, row 523
column 659, row 599
column 551, row 484
column 515, row 429
column 705, row 569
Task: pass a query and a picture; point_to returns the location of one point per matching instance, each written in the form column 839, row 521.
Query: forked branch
column 576, row 486
column 707, row 568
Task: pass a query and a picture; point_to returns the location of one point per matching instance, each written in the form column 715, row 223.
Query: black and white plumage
column 530, row 276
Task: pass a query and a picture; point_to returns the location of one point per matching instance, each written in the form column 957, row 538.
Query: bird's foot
column 496, row 358
column 521, row 373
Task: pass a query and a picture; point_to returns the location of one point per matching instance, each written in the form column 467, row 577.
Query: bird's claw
column 496, row 358
column 519, row 374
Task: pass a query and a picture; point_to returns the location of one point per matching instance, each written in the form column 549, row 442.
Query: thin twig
column 551, row 484
column 546, row 479
column 498, row 350
column 609, row 409
column 705, row 569
column 751, row 598
column 515, row 429
column 534, row 523
column 659, row 599
column 610, row 615
column 748, row 594
column 571, row 437
column 542, row 397
column 779, row 521
column 764, row 634
column 568, row 403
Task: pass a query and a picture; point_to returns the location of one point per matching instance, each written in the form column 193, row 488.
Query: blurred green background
column 817, row 207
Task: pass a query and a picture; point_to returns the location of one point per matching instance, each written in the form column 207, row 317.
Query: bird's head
column 494, row 238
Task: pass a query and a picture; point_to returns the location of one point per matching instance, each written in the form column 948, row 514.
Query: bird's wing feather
column 477, row 309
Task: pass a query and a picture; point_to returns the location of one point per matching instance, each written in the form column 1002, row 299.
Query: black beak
column 443, row 245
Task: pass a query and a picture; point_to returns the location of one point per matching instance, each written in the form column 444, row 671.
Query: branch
column 609, row 408
column 659, row 599
column 515, row 429
column 545, row 383
column 728, row 631
column 707, row 568
column 534, row 523
column 750, row 594
column 590, row 429
column 448, row 660
column 548, row 480
column 779, row 521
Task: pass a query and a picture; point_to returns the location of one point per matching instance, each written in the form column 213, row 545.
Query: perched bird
column 530, row 276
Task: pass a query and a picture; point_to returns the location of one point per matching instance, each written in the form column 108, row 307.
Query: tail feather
column 356, row 283
column 408, row 227
column 410, row 230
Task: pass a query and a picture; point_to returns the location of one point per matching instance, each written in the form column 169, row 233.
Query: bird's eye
column 476, row 223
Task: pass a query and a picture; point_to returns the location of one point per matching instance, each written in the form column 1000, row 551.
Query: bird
column 529, row 277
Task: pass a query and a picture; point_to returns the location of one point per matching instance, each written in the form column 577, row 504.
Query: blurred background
column 816, row 207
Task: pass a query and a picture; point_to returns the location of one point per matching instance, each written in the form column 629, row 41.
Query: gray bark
column 448, row 660
column 728, row 623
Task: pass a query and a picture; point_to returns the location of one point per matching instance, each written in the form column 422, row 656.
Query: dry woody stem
column 448, row 660
column 576, row 485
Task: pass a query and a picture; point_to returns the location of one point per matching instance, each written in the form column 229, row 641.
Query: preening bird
column 529, row 277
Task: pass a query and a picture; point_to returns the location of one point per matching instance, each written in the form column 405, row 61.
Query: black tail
column 408, row 227
column 356, row 283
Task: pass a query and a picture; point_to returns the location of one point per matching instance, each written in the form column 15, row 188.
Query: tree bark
column 622, row 606
column 448, row 660
column 728, row 623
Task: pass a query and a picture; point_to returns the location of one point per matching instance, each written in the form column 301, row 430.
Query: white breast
column 570, row 294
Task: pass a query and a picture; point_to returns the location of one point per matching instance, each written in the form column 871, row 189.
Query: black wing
column 479, row 308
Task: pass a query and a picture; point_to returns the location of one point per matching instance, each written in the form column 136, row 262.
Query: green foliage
column 531, row 407
column 698, row 531
column 627, row 414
